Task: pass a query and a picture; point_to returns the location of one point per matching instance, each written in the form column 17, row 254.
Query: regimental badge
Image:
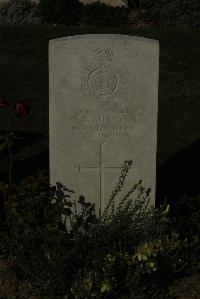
column 101, row 80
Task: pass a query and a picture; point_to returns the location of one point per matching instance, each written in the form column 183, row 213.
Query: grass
column 24, row 75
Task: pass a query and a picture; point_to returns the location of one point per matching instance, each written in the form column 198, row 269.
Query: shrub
column 19, row 12
column 132, row 4
column 60, row 11
column 130, row 251
column 174, row 12
column 101, row 14
column 47, row 254
column 186, row 216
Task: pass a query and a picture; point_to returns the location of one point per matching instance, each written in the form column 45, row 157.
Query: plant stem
column 10, row 159
column 7, row 201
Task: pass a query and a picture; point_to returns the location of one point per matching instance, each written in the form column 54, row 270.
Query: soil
column 186, row 288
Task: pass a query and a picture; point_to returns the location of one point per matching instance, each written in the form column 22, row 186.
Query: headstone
column 102, row 111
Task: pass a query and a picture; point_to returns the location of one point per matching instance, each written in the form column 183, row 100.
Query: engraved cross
column 101, row 169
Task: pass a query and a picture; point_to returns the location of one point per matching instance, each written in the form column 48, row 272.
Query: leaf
column 81, row 199
column 2, row 147
column 68, row 212
column 59, row 185
column 68, row 203
column 3, row 187
column 12, row 134
column 106, row 287
column 151, row 264
column 66, row 189
column 59, row 193
column 144, row 257
column 11, row 143
column 139, row 257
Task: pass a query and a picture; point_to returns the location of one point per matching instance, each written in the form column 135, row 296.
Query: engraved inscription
column 86, row 122
column 103, row 55
column 101, row 80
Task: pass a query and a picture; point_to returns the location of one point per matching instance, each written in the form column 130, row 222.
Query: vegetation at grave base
column 69, row 12
column 130, row 251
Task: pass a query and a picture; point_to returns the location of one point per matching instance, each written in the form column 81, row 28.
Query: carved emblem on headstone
column 101, row 80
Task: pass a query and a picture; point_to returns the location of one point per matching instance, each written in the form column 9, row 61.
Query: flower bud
column 3, row 102
column 22, row 109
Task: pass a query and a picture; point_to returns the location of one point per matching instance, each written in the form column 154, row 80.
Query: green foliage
column 186, row 216
column 18, row 12
column 73, row 12
column 132, row 4
column 186, row 220
column 61, row 11
column 59, row 247
column 101, row 14
column 42, row 251
column 173, row 12
column 165, row 12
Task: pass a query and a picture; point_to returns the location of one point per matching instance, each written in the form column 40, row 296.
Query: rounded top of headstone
column 103, row 37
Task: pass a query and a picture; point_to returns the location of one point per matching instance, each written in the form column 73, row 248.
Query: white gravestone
column 102, row 111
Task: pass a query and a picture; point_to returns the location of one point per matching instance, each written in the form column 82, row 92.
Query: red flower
column 22, row 109
column 3, row 102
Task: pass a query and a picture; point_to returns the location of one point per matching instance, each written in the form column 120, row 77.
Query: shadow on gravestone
column 28, row 151
column 179, row 175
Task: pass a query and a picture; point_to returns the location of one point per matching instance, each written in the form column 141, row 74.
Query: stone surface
column 102, row 111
